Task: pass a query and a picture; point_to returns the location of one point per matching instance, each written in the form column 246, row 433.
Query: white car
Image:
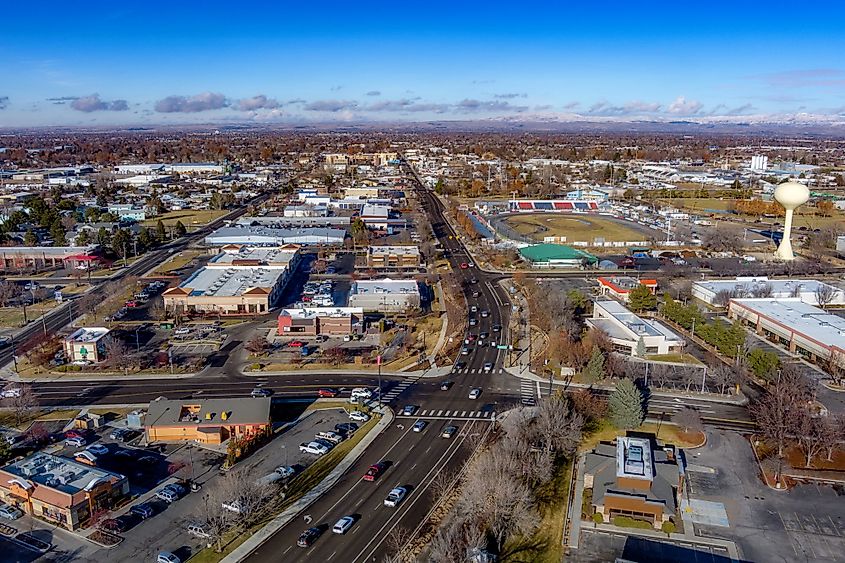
column 233, row 506
column 362, row 392
column 10, row 512
column 475, row 393
column 10, row 393
column 315, row 448
column 342, row 526
column 359, row 416
column 395, row 496
column 285, row 471
column 167, row 557
column 98, row 449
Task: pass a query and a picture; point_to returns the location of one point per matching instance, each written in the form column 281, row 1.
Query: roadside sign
column 502, row 347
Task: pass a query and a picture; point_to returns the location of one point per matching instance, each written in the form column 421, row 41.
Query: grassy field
column 13, row 316
column 189, row 217
column 808, row 218
column 574, row 228
column 178, row 261
column 298, row 487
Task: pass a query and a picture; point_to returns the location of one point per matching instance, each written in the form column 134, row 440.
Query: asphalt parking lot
column 806, row 523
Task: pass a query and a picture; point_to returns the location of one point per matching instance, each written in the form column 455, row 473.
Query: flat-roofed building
column 267, row 236
column 719, row 292
column 209, row 421
column 632, row 478
column 799, row 327
column 60, row 490
column 242, row 280
column 393, row 257
column 87, row 344
column 311, row 321
column 385, row 295
column 376, row 216
column 619, row 287
column 626, row 330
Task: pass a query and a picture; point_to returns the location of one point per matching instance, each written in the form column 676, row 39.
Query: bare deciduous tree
column 688, row 419
column 781, row 408
column 22, row 401
column 825, row 295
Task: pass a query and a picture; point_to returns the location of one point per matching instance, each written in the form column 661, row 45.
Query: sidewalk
column 687, row 538
column 9, row 374
column 530, row 376
column 257, row 539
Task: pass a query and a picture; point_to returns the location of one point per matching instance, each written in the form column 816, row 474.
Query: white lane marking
column 539, row 392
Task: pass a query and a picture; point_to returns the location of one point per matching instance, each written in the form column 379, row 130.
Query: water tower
column 790, row 195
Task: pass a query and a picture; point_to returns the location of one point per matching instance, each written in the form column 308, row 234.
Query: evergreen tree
column 641, row 347
column 641, row 299
column 161, row 232
column 180, row 229
column 120, row 242
column 146, row 239
column 30, row 238
column 594, row 371
column 57, row 232
column 83, row 238
column 103, row 237
column 626, row 405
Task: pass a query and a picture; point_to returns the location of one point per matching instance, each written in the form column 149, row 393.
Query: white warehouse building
column 713, row 291
column 385, row 295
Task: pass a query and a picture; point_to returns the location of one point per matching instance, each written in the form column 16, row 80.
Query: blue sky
column 98, row 62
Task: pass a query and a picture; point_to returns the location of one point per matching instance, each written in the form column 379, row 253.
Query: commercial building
column 241, row 280
column 627, row 330
column 193, row 168
column 619, row 287
column 376, row 216
column 632, row 478
column 385, row 295
column 266, row 236
column 803, row 329
column 556, row 256
column 393, row 257
column 43, row 257
column 840, row 245
column 60, row 490
column 311, row 321
column 718, row 292
column 209, row 421
column 86, row 345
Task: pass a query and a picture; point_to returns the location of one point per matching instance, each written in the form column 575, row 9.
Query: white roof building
column 385, row 295
column 709, row 290
column 798, row 326
column 626, row 330
column 266, row 236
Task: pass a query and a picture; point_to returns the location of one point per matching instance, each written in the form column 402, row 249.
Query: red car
column 464, row 265
column 74, row 434
column 296, row 344
column 327, row 393
column 373, row 472
column 131, row 304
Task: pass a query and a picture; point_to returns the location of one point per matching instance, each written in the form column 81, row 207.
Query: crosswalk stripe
column 446, row 413
column 439, row 412
column 486, row 414
column 463, row 413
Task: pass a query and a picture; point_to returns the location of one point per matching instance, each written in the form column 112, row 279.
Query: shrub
column 626, row 522
column 255, row 367
column 598, row 518
column 668, row 527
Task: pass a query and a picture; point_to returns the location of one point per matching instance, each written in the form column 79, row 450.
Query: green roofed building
column 557, row 256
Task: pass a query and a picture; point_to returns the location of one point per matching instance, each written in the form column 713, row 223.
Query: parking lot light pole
column 378, row 361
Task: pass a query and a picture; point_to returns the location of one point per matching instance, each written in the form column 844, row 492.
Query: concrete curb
column 94, row 378
column 257, row 539
column 534, row 377
column 433, row 372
